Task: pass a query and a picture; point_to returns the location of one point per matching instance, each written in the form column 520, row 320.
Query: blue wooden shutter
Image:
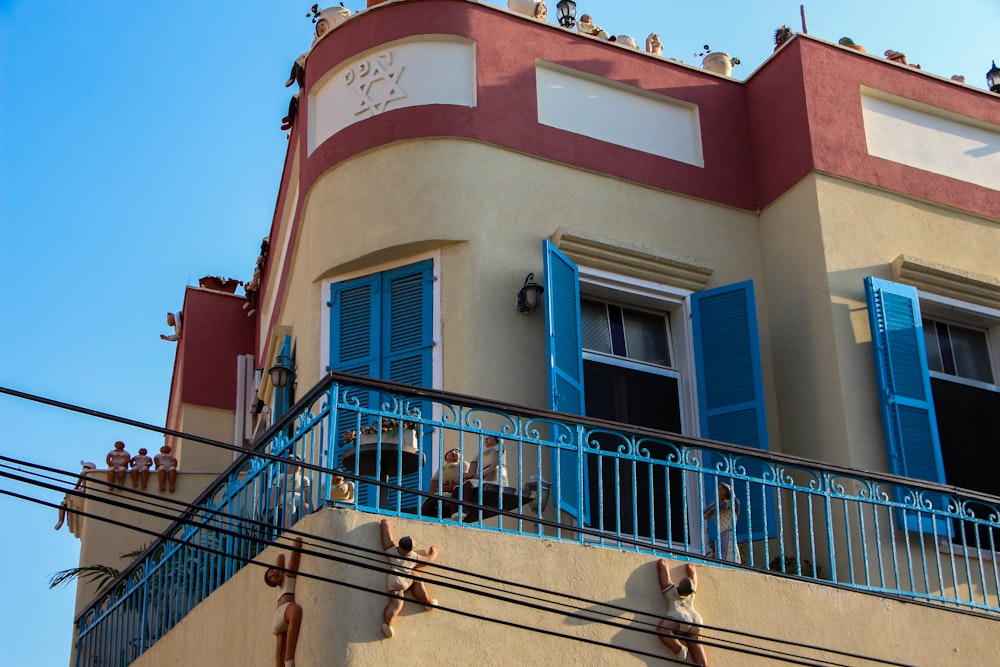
column 407, row 345
column 905, row 390
column 731, row 393
column 565, row 362
column 354, row 348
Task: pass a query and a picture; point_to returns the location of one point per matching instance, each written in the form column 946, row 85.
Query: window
column 940, row 403
column 615, row 359
column 957, row 351
column 381, row 327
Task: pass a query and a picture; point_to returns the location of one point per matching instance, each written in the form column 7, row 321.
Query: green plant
column 790, row 565
column 99, row 574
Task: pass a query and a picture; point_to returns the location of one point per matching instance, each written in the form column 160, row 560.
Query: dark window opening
column 626, row 496
column 968, row 420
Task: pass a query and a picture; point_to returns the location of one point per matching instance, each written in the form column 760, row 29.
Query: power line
column 575, row 614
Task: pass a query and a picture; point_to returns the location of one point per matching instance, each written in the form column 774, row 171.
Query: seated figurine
column 341, row 491
column 586, row 26
column 452, row 473
column 533, row 8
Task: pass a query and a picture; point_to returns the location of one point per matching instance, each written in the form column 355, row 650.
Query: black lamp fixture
column 282, row 371
column 529, row 297
column 993, row 78
column 567, row 13
column 537, row 492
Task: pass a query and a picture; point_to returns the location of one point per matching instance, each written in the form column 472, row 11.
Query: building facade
column 802, row 265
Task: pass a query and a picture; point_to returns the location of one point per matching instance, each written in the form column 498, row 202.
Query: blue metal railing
column 630, row 488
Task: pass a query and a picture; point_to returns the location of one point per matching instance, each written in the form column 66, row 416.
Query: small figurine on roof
column 586, row 26
column 654, row 45
column 534, row 8
column 324, row 20
column 899, row 57
column 848, row 42
column 173, row 320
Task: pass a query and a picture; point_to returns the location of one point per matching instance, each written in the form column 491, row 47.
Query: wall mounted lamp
column 538, row 490
column 993, row 78
column 529, row 297
column 566, row 13
column 282, row 371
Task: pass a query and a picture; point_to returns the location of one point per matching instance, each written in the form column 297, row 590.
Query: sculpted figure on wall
column 403, row 560
column 681, row 625
column 73, row 503
column 288, row 613
column 323, row 20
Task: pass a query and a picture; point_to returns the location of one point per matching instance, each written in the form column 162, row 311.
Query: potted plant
column 782, row 35
column 391, row 430
column 719, row 62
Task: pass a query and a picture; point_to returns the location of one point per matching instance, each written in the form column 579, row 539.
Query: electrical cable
column 439, row 582
column 319, row 469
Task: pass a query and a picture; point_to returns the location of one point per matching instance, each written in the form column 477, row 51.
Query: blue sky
column 140, row 149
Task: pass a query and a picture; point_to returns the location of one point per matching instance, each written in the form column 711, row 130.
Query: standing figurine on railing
column 680, row 628
column 403, row 560
column 117, row 460
column 140, row 465
column 725, row 511
column 288, row 614
column 166, row 468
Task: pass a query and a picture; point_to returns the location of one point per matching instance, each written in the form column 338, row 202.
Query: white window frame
column 971, row 316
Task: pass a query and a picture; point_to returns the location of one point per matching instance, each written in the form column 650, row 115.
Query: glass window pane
column 931, row 343
column 594, row 326
column 646, row 337
column 972, row 355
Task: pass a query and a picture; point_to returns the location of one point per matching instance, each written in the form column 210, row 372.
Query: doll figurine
column 725, row 511
column 341, row 490
column 140, row 465
column 166, row 468
column 117, row 460
column 403, row 560
column 451, row 474
column 288, row 614
column 173, row 320
column 654, row 45
column 681, row 626
column 72, row 501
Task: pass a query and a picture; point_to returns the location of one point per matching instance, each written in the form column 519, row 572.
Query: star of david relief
column 376, row 83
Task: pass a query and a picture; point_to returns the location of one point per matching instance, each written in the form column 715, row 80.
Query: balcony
column 612, row 486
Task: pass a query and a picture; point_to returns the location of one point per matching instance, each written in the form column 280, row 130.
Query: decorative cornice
column 947, row 281
column 630, row 259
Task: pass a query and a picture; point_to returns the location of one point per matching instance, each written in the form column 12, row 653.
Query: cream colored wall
column 103, row 543
column 341, row 625
column 806, row 372
column 486, row 210
column 209, row 423
column 864, row 230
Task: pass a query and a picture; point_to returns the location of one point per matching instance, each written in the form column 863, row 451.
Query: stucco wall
column 341, row 625
column 103, row 543
column 484, row 212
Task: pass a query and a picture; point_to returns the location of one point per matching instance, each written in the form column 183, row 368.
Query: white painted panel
column 931, row 139
column 424, row 70
column 619, row 114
